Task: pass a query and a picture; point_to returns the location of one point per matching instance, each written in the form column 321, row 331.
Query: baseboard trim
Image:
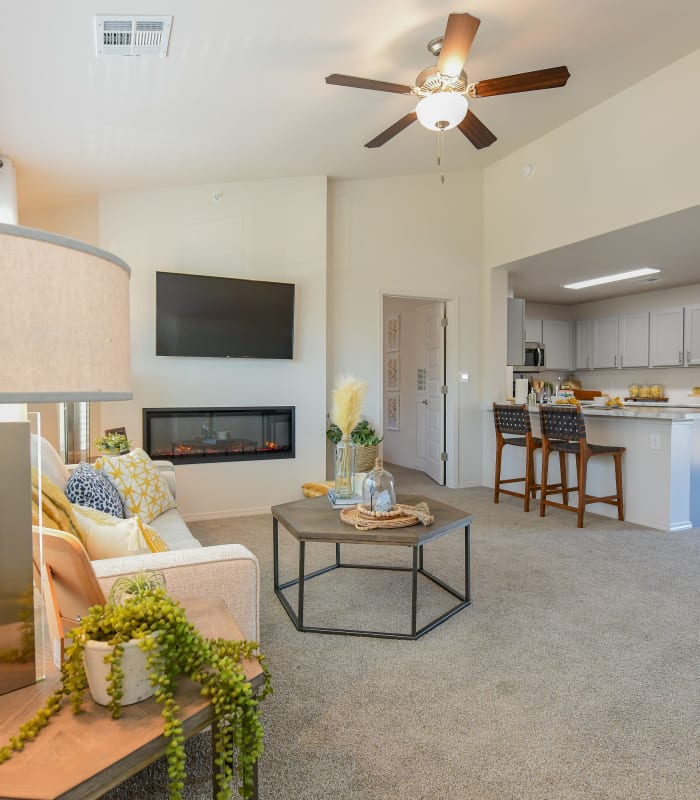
column 237, row 512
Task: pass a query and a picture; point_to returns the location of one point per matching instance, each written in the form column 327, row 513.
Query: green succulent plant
column 216, row 664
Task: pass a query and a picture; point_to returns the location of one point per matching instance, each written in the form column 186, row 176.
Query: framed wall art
column 392, row 333
column 392, row 374
column 391, row 413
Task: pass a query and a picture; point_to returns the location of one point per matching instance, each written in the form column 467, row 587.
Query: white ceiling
column 241, row 94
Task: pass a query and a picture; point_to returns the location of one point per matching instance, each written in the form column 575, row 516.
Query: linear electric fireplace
column 198, row 435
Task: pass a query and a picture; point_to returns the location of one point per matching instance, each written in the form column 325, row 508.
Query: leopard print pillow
column 88, row 486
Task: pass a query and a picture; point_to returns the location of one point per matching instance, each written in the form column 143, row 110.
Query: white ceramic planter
column 136, row 685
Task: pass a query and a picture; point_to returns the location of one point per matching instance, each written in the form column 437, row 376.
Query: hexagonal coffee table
column 313, row 520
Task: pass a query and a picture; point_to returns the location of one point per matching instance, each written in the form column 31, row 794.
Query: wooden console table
column 85, row 755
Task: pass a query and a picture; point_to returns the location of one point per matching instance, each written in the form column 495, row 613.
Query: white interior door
column 433, row 448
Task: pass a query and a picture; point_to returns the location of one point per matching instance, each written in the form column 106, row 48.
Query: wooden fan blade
column 459, row 35
column 392, row 130
column 366, row 83
column 475, row 130
column 551, row 78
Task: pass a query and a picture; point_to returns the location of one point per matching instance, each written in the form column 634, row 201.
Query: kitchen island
column 661, row 465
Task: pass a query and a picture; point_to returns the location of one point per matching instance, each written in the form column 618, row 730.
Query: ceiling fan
column 443, row 89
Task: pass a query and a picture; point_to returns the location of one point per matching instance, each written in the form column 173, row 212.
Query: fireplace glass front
column 199, row 435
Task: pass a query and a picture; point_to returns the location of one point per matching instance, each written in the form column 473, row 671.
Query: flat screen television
column 207, row 316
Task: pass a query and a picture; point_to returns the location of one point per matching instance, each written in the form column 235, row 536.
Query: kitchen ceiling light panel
column 132, row 35
column 619, row 276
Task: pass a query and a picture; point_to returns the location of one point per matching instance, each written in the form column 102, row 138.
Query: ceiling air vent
column 131, row 35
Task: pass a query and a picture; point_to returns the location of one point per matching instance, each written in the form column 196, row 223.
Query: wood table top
column 84, row 755
column 313, row 519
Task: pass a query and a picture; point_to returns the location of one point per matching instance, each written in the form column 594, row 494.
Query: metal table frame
column 297, row 616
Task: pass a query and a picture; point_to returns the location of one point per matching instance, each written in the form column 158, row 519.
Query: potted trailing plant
column 178, row 649
column 365, row 439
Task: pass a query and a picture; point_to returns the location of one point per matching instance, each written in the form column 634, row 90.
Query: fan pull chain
column 438, row 158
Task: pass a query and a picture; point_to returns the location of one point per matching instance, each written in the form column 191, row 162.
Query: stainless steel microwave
column 534, row 358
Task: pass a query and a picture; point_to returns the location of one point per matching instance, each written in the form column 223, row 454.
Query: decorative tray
column 647, row 399
column 403, row 516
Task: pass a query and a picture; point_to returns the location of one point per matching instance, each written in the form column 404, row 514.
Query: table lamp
column 64, row 334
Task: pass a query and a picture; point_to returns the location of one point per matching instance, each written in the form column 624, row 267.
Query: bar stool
column 564, row 431
column 515, row 420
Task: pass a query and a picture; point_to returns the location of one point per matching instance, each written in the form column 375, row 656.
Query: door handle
column 425, row 402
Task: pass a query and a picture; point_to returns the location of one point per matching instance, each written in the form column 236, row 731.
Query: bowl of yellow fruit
column 615, row 402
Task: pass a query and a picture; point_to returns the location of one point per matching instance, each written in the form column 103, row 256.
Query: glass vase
column 344, row 467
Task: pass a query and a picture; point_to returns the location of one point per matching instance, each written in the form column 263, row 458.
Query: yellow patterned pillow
column 142, row 488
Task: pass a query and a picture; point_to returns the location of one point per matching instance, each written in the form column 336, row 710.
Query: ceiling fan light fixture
column 442, row 110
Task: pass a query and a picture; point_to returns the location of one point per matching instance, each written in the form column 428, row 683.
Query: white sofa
column 228, row 571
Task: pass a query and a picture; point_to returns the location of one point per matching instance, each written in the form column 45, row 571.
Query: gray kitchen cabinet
column 605, row 343
column 515, row 334
column 633, row 331
column 556, row 338
column 533, row 330
column 583, row 330
column 692, row 336
column 666, row 338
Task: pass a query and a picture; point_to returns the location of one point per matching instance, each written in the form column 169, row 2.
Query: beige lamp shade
column 64, row 320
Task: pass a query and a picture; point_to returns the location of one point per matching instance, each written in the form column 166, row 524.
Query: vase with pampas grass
column 346, row 407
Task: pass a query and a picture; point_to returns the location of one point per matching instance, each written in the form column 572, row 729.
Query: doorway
column 414, row 384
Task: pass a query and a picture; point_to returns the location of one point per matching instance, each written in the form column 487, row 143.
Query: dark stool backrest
column 511, row 419
column 562, row 422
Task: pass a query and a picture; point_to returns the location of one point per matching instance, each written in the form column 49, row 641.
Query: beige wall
column 268, row 230
column 629, row 159
column 80, row 222
column 414, row 237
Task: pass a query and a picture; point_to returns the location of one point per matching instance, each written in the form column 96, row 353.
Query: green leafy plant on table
column 180, row 649
column 362, row 434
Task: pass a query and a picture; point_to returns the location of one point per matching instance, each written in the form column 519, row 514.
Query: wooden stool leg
column 543, row 479
column 529, row 470
column 534, row 482
column 582, row 472
column 564, row 479
column 497, row 479
column 618, row 486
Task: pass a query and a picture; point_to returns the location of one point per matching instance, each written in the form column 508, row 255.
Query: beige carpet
column 574, row 674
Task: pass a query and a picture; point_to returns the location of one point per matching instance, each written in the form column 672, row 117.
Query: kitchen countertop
column 659, row 411
column 640, row 411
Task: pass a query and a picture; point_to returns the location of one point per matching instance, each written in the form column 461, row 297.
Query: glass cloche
column 378, row 490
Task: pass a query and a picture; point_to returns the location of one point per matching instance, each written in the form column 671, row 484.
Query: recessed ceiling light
column 619, row 276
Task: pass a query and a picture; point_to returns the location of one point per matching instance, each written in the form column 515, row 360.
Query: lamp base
column 17, row 631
